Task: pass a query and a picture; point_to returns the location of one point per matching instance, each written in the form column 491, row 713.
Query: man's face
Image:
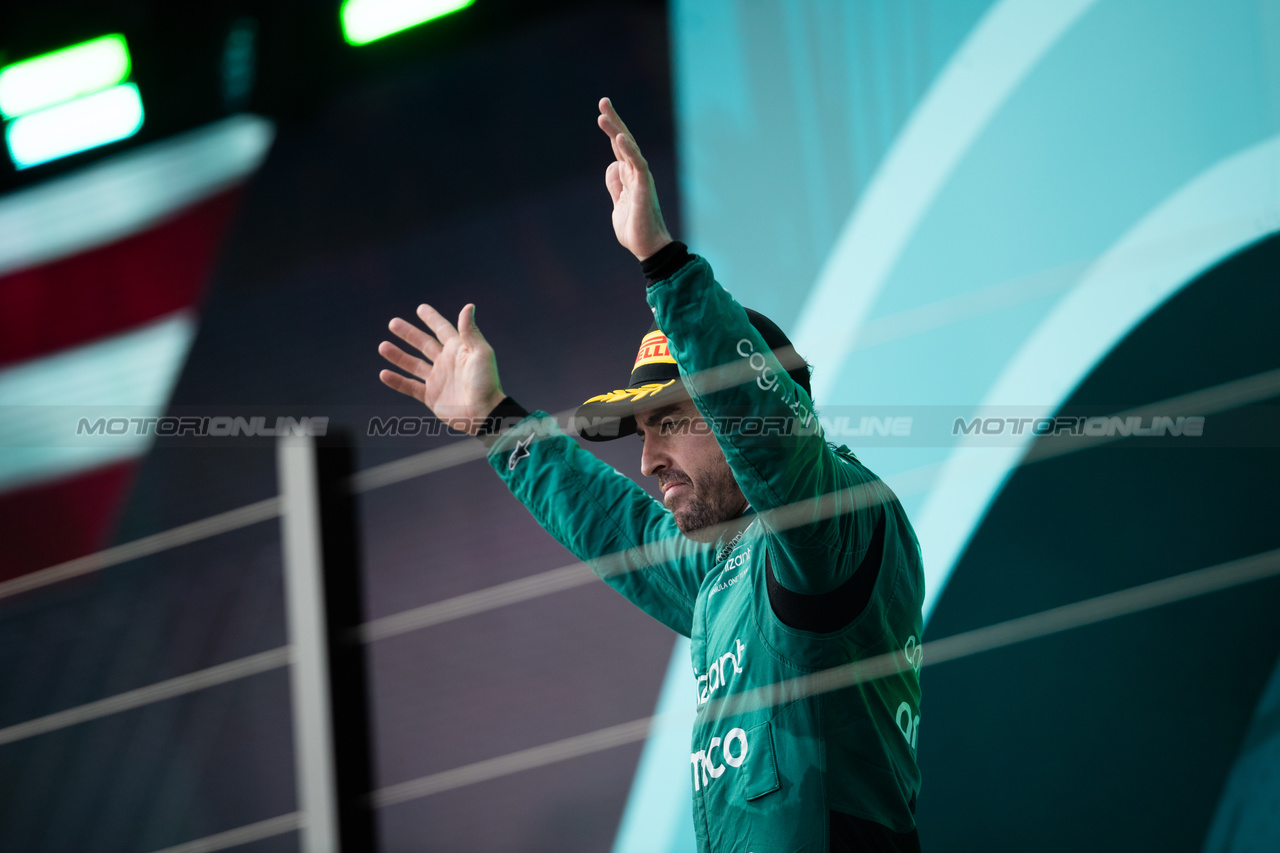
column 697, row 485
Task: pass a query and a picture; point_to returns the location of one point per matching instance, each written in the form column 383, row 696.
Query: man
column 778, row 554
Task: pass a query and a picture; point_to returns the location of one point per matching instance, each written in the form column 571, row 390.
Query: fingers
column 629, row 151
column 403, row 384
column 610, row 130
column 610, row 122
column 467, row 322
column 620, row 136
column 613, row 180
column 613, row 143
column 415, row 337
column 436, row 322
column 403, row 360
column 613, row 140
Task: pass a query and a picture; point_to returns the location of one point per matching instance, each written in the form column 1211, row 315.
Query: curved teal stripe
column 1248, row 816
column 784, row 111
column 1008, row 43
column 659, row 815
column 1218, row 213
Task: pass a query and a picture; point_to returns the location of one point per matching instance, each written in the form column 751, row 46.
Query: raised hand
column 458, row 379
column 637, row 219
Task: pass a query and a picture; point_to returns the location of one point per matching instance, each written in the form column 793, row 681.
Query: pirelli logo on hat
column 653, row 350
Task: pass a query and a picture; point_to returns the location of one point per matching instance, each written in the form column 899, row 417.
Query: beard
column 702, row 509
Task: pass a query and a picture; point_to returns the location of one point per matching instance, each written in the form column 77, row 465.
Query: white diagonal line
column 153, row 544
column 241, row 835
column 1055, row 620
column 619, row 562
column 500, row 595
column 1218, row 398
column 417, row 465
column 183, row 684
column 1206, row 401
column 525, row 759
column 1211, row 400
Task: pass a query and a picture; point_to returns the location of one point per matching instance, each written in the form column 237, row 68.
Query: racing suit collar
column 733, row 533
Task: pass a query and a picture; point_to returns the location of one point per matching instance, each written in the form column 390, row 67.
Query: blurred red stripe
column 49, row 523
column 76, row 300
column 112, row 288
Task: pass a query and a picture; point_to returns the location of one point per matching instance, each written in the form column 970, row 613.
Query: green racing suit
column 767, row 768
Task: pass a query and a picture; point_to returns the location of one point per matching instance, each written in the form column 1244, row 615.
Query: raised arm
column 602, row 517
column 637, row 217
column 822, row 503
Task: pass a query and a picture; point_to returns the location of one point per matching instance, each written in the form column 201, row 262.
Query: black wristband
column 665, row 262
column 505, row 415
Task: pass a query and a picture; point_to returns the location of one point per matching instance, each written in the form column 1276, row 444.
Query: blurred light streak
column 242, row 835
column 1012, row 631
column 468, row 604
column 1219, row 398
column 966, row 306
column 525, row 759
column 75, row 126
column 61, row 75
column 1033, row 626
column 224, row 522
column 42, row 399
column 619, row 562
column 420, row 464
column 152, row 693
column 131, row 191
column 1007, row 294
column 364, row 21
column 957, row 646
column 967, row 643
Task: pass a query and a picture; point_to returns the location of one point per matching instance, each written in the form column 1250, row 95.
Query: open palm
column 637, row 218
column 458, row 378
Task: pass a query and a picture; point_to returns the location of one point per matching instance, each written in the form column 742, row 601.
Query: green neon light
column 75, row 126
column 62, row 75
column 364, row 21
